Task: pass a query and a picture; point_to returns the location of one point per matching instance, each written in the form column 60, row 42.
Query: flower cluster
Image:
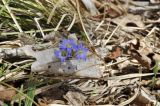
column 68, row 48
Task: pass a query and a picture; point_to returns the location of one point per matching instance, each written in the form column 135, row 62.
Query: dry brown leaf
column 75, row 98
column 149, row 82
column 135, row 45
column 141, row 101
column 146, row 50
column 142, row 59
column 130, row 22
column 111, row 9
column 133, row 42
column 90, row 5
column 146, row 99
column 43, row 102
column 7, row 94
column 115, row 10
column 116, row 53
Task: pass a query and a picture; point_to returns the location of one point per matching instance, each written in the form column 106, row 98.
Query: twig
column 116, row 63
column 128, row 76
column 152, row 21
column 134, row 9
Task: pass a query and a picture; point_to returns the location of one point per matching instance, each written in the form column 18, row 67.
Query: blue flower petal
column 59, row 55
column 67, row 43
column 69, row 47
column 81, row 52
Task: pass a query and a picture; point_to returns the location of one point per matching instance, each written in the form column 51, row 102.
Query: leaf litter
column 122, row 64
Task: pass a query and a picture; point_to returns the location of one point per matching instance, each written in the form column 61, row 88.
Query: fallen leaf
column 75, row 98
column 142, row 59
column 130, row 22
column 7, row 94
column 43, row 102
column 114, row 12
column 135, row 45
column 90, row 5
column 116, row 53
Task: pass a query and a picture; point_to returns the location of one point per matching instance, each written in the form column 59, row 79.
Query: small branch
column 135, row 10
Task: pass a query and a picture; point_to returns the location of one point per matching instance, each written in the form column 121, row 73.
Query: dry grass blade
column 52, row 12
column 62, row 18
column 113, row 32
column 128, row 76
column 72, row 23
column 80, row 17
column 39, row 27
column 12, row 15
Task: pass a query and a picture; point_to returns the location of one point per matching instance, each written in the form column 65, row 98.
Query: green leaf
column 4, row 104
column 156, row 68
column 31, row 94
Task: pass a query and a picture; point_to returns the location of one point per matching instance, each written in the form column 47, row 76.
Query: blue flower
column 69, row 45
column 62, row 55
column 68, row 48
column 81, row 52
